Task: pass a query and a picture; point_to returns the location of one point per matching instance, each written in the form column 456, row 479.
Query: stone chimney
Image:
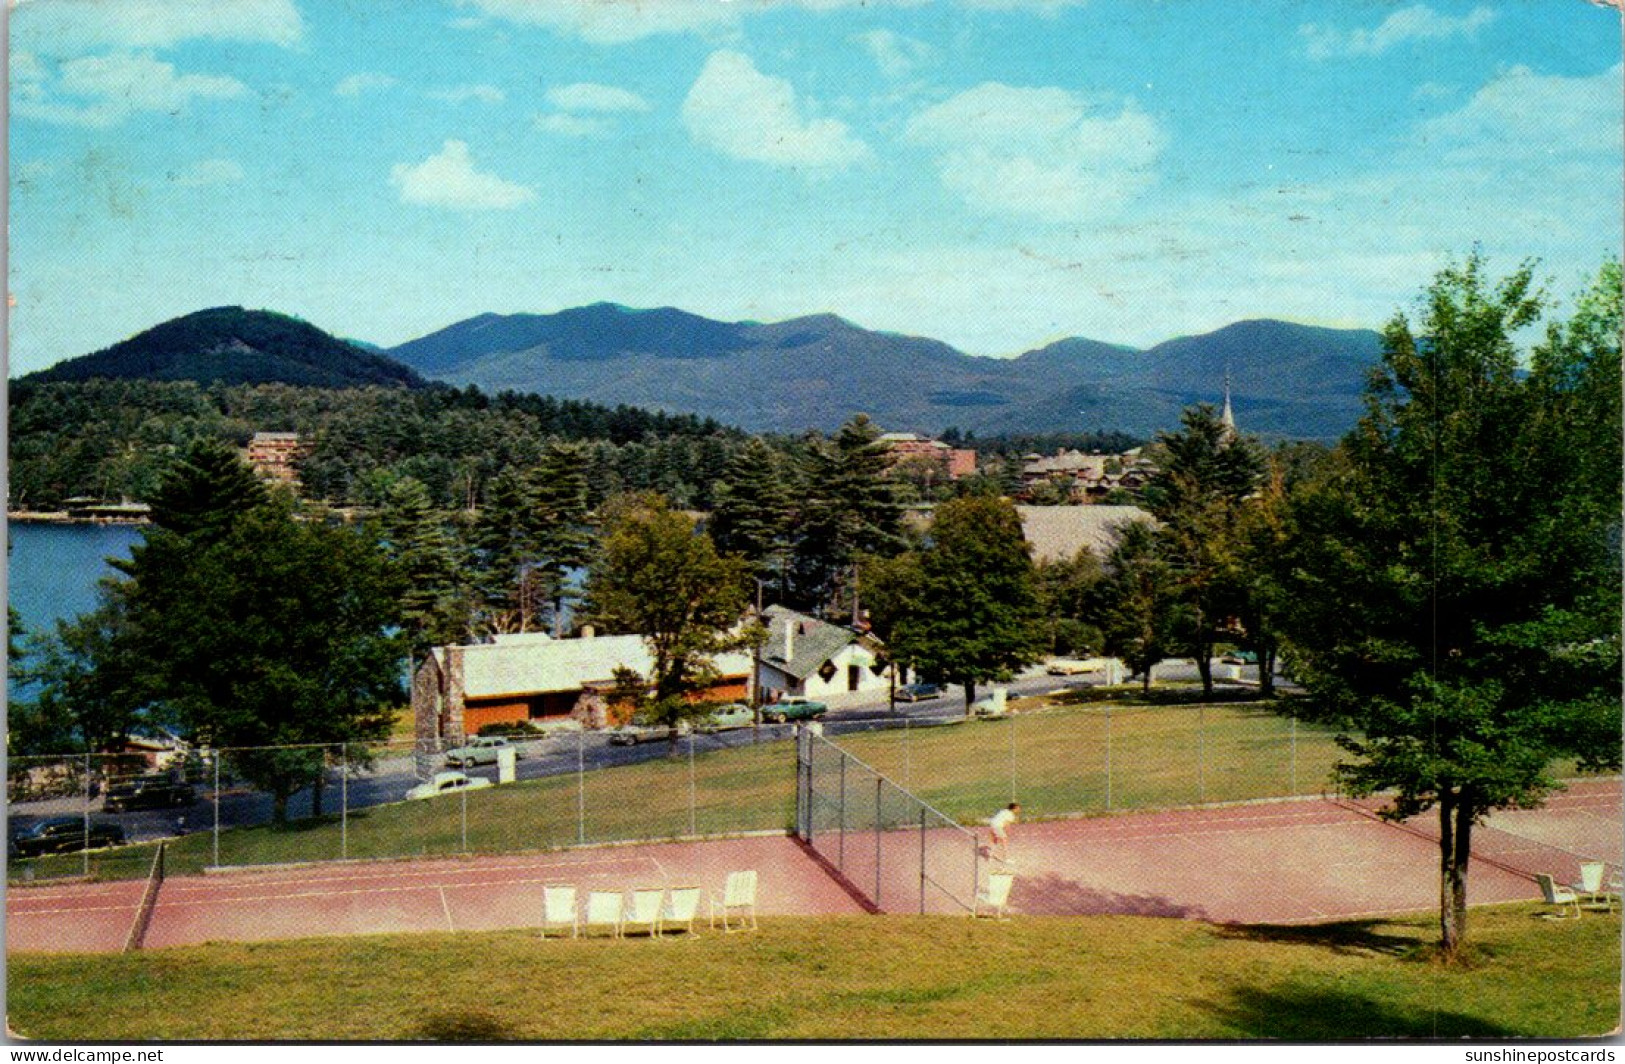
column 790, row 627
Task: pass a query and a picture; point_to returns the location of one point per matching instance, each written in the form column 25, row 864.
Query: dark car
column 919, row 692
column 64, row 834
column 148, row 792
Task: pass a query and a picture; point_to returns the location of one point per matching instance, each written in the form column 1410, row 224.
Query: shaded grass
column 853, row 978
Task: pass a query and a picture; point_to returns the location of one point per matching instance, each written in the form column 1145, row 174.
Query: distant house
column 275, row 456
column 956, row 462
column 531, row 677
column 1057, row 533
column 1087, row 476
column 806, row 656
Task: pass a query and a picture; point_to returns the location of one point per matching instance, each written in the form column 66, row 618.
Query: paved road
column 389, row 777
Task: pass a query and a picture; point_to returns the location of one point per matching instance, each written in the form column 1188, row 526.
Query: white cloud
column 464, row 93
column 450, row 180
column 1417, row 23
column 599, row 99
column 896, row 55
column 1042, row 153
column 207, row 172
column 102, row 91
column 735, row 109
column 63, row 27
column 356, row 84
column 1521, row 114
column 572, row 125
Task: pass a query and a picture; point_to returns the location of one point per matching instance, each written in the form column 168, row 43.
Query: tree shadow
column 1055, row 895
column 1345, row 938
column 1315, row 1014
column 463, row 1025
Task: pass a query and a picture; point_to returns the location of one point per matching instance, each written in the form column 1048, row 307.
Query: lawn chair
column 605, row 909
column 559, row 909
column 1592, row 893
column 738, row 896
column 682, row 906
column 1562, row 897
column 644, row 910
column 994, row 899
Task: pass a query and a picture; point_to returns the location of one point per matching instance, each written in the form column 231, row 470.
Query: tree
column 206, row 489
column 1069, row 589
column 565, row 543
column 658, row 577
column 1454, row 577
column 1205, row 474
column 849, row 507
column 1139, row 600
column 966, row 608
column 752, row 515
column 430, row 563
column 508, row 536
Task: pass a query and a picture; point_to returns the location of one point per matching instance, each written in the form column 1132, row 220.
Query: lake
column 52, row 569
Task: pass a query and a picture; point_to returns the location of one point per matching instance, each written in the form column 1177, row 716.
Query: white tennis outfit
column 1001, row 823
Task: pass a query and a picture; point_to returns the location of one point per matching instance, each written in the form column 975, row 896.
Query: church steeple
column 1227, row 418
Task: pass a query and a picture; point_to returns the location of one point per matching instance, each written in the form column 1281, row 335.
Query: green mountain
column 231, row 345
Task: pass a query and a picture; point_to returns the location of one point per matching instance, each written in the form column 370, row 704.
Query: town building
column 907, row 446
column 1058, row 533
column 1086, row 477
column 806, row 656
column 275, row 456
column 533, row 678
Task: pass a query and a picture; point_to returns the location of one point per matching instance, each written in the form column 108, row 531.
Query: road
column 389, row 777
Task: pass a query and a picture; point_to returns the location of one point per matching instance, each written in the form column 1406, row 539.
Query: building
column 1057, row 533
column 806, row 656
column 531, row 677
column 275, row 456
column 904, row 446
column 1087, row 477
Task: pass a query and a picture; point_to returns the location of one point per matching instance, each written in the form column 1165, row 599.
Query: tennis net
column 149, row 901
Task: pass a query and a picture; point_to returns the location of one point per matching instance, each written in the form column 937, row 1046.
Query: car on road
column 919, row 692
column 794, row 707
column 64, row 834
column 480, row 751
column 728, row 717
column 447, row 783
column 148, row 792
column 1239, row 657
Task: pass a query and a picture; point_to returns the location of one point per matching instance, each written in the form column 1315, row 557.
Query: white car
column 481, row 750
column 1075, row 666
column 447, row 783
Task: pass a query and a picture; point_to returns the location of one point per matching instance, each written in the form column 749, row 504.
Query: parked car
column 919, row 692
column 632, row 734
column 1239, row 657
column 1074, row 666
column 725, row 718
column 64, row 834
column 794, row 707
column 480, row 751
column 447, row 783
column 990, row 707
column 148, row 792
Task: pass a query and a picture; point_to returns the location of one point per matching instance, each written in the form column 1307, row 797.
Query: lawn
column 854, row 978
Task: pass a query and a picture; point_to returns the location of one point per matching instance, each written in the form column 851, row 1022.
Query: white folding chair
column 994, row 899
column 738, row 898
column 1561, row 897
column 559, row 909
column 1591, row 889
column 604, row 909
column 644, row 911
column 681, row 908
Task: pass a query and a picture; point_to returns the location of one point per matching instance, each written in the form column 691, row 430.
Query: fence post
column 840, row 851
column 1108, row 758
column 217, row 807
column 344, row 801
column 878, row 785
column 1012, row 723
column 906, row 783
column 693, row 789
column 85, row 850
column 581, row 788
column 463, row 794
column 922, row 860
column 1201, row 754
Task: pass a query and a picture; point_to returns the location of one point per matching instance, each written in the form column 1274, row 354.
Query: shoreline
column 62, row 517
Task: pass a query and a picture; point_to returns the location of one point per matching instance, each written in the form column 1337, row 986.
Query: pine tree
column 752, row 514
column 430, row 563
column 849, row 508
column 559, row 488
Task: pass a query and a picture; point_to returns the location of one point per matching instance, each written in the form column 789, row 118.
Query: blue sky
column 996, row 174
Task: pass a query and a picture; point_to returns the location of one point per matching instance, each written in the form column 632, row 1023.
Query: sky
column 996, row 174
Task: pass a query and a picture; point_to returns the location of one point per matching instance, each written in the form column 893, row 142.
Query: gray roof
column 1059, row 532
column 815, row 641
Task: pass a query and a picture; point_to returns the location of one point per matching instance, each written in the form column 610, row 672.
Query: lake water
column 52, row 570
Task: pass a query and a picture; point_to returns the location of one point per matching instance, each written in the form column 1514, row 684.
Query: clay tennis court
column 1293, row 861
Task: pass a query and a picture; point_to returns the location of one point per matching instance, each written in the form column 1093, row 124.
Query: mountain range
column 1286, row 380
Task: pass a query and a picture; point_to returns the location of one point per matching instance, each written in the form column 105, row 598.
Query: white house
column 806, row 656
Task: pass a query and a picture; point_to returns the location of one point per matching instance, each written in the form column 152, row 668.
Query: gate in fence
column 890, row 846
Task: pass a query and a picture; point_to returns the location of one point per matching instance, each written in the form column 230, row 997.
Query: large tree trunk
column 1266, row 669
column 279, row 804
column 1455, row 848
column 317, row 786
column 970, row 697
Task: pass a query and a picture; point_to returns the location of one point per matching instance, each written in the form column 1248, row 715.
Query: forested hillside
column 109, row 438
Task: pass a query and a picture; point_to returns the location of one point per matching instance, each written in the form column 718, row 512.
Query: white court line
column 164, row 903
column 56, row 912
column 445, row 907
column 178, row 884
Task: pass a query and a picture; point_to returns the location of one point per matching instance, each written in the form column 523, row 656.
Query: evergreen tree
column 1138, row 604
column 849, row 508
column 430, row 566
column 752, row 515
column 508, row 535
column 565, row 542
column 205, row 490
column 1454, row 577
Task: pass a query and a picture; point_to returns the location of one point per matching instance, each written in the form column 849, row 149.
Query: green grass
column 854, row 978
